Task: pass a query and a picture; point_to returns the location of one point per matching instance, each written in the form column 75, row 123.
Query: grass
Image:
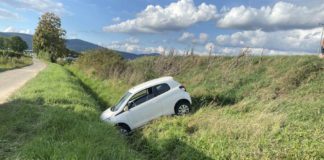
column 105, row 91
column 250, row 108
column 7, row 63
column 55, row 117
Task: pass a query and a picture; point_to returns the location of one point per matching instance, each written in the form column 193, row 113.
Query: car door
column 162, row 97
column 140, row 112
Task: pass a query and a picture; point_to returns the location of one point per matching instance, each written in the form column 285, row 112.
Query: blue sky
column 145, row 26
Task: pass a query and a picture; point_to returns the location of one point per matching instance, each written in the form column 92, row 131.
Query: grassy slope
column 54, row 117
column 257, row 108
column 12, row 63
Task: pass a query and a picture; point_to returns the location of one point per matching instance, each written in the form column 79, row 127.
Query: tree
column 17, row 44
column 49, row 37
column 2, row 43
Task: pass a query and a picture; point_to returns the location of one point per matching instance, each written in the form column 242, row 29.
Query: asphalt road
column 12, row 80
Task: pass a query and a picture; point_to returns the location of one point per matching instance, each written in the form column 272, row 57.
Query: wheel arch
column 179, row 101
column 121, row 124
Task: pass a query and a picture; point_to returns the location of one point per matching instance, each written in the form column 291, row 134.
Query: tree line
column 16, row 44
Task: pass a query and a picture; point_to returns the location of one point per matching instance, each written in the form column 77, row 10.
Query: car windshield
column 120, row 102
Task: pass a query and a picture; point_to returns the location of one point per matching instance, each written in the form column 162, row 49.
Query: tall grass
column 55, row 117
column 246, row 108
column 7, row 63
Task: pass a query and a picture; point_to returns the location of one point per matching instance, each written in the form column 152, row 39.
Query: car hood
column 106, row 114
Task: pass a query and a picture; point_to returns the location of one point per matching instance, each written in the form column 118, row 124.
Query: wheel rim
column 183, row 109
column 123, row 130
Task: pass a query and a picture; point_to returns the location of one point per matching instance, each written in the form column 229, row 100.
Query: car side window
column 162, row 88
column 142, row 97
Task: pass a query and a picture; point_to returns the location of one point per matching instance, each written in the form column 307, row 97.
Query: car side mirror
column 130, row 104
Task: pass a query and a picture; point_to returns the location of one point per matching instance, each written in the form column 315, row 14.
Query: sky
column 220, row 27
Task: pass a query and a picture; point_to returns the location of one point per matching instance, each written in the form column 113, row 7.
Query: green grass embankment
column 55, row 117
column 247, row 108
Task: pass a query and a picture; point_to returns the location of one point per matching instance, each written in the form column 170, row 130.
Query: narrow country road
column 12, row 80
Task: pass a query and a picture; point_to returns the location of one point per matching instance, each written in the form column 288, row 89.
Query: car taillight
column 183, row 88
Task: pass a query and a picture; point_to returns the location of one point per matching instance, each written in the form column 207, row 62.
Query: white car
column 148, row 101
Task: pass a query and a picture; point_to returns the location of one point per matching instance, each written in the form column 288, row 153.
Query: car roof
column 151, row 83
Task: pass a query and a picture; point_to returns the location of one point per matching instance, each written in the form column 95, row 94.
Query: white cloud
column 292, row 40
column 12, row 29
column 203, row 37
column 176, row 16
column 188, row 37
column 37, row 5
column 5, row 14
column 132, row 45
column 123, row 46
column 116, row 19
column 281, row 16
column 132, row 40
column 158, row 49
column 210, row 46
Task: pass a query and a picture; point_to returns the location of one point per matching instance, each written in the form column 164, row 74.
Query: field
column 243, row 108
column 247, row 108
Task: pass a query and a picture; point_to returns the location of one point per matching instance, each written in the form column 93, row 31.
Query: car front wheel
column 124, row 130
column 182, row 108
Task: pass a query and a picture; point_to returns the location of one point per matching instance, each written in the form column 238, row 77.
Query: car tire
column 123, row 129
column 182, row 108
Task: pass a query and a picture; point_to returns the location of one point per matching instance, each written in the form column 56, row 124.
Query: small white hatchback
column 148, row 101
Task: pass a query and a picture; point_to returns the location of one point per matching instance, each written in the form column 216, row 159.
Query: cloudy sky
column 145, row 26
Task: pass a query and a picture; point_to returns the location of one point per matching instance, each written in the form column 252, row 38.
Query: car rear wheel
column 182, row 108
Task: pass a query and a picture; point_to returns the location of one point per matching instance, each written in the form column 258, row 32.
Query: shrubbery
column 107, row 64
column 5, row 53
column 102, row 62
column 10, row 60
column 14, row 43
column 7, row 62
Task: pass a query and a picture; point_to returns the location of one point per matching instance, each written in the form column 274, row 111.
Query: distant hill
column 26, row 37
column 128, row 55
column 77, row 45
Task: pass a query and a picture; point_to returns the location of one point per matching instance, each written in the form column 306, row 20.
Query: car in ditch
column 148, row 101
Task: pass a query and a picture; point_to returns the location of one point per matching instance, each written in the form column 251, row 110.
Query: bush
column 108, row 64
column 44, row 55
column 102, row 62
column 8, row 62
column 8, row 53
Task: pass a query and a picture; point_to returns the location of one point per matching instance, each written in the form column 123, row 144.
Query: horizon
column 270, row 27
